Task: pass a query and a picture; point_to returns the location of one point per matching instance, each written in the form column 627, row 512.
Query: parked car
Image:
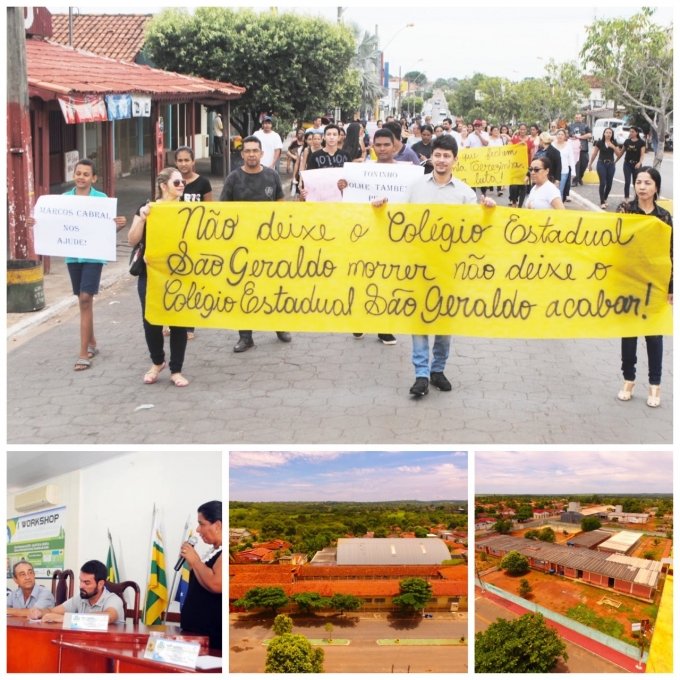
column 621, row 129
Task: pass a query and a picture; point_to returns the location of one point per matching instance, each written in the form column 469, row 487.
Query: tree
column 282, row 624
column 265, row 598
column 634, row 59
column 345, row 603
column 366, row 62
column 523, row 645
column 525, row 588
column 415, row 593
column 290, row 653
column 308, row 602
column 503, row 526
column 524, row 512
column 515, row 563
column 275, row 56
column 590, row 524
column 328, row 627
column 532, row 534
column 547, row 535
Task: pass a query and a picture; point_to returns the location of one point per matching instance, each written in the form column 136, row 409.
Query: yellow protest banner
column 463, row 270
column 492, row 165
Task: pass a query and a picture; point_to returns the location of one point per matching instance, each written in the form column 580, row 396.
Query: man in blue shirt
column 28, row 594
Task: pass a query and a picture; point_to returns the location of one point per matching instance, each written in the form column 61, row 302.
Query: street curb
column 44, row 315
column 585, row 202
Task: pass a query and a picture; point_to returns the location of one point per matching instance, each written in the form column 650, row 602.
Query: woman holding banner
column 544, row 194
column 647, row 188
column 169, row 187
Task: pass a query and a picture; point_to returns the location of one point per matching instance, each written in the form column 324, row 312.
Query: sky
column 448, row 40
column 347, row 475
column 569, row 472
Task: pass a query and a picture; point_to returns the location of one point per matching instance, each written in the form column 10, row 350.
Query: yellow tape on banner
column 492, row 165
column 463, row 270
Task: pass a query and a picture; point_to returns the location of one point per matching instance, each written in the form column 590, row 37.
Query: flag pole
column 171, row 592
column 153, row 524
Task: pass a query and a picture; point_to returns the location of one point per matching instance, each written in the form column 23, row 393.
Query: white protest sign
column 322, row 185
column 75, row 226
column 368, row 181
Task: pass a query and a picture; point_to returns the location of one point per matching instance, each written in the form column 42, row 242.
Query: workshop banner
column 38, row 538
column 435, row 269
column 492, row 165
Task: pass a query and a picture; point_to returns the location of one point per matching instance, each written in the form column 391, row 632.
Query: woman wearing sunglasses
column 169, row 187
column 544, row 195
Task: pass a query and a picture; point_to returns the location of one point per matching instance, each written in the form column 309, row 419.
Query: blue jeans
column 563, row 184
column 654, row 357
column 605, row 171
column 629, row 173
column 421, row 354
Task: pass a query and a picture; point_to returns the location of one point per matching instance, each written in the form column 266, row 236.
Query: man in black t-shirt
column 423, row 148
column 330, row 156
column 252, row 182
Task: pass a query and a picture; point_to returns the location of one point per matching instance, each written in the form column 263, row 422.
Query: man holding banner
column 438, row 187
column 253, row 182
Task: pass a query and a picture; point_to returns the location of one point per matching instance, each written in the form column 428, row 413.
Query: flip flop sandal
column 82, row 365
column 151, row 376
column 179, row 380
column 92, row 352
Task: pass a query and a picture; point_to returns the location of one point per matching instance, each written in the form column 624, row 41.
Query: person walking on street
column 253, row 182
column 633, row 150
column 579, row 130
column 608, row 151
column 438, row 187
column 647, row 189
column 271, row 144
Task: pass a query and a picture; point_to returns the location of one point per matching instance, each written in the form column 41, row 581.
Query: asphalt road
column 247, row 654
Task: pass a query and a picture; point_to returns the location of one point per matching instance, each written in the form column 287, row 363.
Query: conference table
column 36, row 647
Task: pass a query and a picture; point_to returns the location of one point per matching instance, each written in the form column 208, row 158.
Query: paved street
column 247, row 654
column 321, row 388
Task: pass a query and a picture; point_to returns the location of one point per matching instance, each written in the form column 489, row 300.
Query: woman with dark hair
column 608, row 151
column 634, row 149
column 202, row 608
column 544, row 194
column 647, row 188
column 354, row 142
column 169, row 187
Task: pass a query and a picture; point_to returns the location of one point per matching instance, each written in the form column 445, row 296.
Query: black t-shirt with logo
column 322, row 159
column 196, row 190
column 245, row 186
column 633, row 150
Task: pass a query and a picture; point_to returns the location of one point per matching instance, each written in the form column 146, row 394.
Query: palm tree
column 367, row 62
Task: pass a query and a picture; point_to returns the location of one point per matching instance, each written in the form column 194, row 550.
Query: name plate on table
column 176, row 652
column 86, row 621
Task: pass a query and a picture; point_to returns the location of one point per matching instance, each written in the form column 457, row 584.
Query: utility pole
column 20, row 191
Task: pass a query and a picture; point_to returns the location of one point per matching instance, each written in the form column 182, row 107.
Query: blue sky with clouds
column 347, row 475
column 565, row 472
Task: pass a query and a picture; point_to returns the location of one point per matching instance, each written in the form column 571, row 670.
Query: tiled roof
column 55, row 70
column 119, row 36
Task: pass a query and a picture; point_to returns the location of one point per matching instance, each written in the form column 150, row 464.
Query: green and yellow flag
column 157, row 589
column 112, row 574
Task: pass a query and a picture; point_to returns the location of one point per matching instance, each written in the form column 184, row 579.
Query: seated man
column 93, row 598
column 28, row 595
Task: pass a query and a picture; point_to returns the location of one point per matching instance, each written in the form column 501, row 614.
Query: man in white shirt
column 271, row 144
column 478, row 137
column 28, row 595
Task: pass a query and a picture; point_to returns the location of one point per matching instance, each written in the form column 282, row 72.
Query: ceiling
column 28, row 468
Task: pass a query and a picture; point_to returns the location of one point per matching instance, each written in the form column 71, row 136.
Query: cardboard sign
column 76, row 226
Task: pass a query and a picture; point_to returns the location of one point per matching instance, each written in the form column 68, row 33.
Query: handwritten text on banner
column 464, row 270
column 492, row 165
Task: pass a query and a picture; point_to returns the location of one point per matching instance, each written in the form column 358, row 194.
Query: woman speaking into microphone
column 202, row 609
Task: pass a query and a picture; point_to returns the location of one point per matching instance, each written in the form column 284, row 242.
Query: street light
column 382, row 51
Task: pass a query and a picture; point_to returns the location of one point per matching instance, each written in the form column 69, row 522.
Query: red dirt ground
column 560, row 594
column 663, row 549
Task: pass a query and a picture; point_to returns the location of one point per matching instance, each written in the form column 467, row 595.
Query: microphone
column 192, row 540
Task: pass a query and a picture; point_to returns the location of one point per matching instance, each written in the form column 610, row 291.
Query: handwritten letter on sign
column 463, row 270
column 75, row 226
